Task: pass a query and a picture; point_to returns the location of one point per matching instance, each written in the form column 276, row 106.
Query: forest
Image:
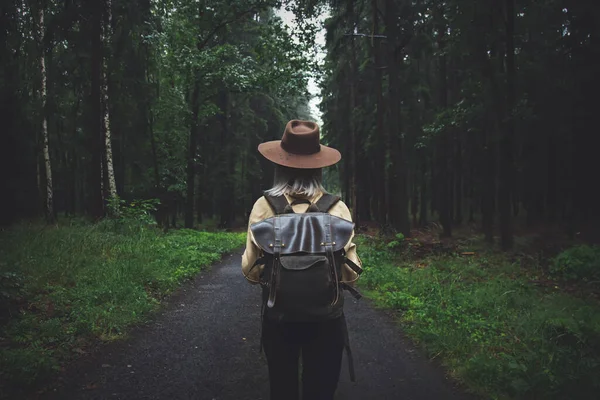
column 122, row 100
column 483, row 110
column 450, row 111
column 452, row 116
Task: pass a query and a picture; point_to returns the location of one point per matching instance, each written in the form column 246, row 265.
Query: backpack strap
column 326, row 202
column 275, row 269
column 259, row 261
column 355, row 293
column 352, row 265
column 300, row 201
column 330, row 256
column 279, row 204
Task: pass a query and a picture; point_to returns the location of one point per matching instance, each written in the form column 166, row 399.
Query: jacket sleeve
column 260, row 211
column 348, row 275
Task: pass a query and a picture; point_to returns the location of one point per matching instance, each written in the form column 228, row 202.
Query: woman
column 299, row 158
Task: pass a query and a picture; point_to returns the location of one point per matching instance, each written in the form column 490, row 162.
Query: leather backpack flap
column 301, row 262
column 302, row 233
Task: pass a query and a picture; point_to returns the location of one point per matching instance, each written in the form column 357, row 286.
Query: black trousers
column 321, row 345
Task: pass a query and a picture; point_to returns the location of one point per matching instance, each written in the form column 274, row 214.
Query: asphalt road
column 204, row 345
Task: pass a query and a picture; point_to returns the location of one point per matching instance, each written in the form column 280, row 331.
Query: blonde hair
column 296, row 182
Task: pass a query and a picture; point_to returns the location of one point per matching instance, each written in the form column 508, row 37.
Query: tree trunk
column 227, row 200
column 423, row 187
column 191, row 162
column 472, row 183
column 365, row 194
column 458, row 191
column 506, row 168
column 153, row 148
column 353, row 149
column 41, row 199
column 149, row 114
column 495, row 125
column 489, row 189
column 444, row 142
column 49, row 204
column 110, row 173
column 94, row 176
column 399, row 197
column 414, row 203
column 379, row 194
column 551, row 189
column 200, row 198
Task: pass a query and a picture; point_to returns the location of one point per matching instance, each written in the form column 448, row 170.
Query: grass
column 494, row 330
column 63, row 287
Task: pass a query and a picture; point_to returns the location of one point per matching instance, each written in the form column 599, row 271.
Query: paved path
column 204, row 345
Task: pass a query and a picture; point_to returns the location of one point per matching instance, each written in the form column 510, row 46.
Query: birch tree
column 49, row 206
column 106, row 39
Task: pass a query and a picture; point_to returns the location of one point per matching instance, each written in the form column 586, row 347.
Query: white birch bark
column 106, row 39
column 102, row 181
column 45, row 146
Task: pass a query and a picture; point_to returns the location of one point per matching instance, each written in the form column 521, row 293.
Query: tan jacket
column 262, row 210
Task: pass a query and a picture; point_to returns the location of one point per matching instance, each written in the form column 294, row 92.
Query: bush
column 139, row 210
column 11, row 287
column 580, row 262
column 397, row 243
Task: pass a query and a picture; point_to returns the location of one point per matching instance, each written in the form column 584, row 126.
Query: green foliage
column 579, row 262
column 73, row 283
column 138, row 211
column 463, row 116
column 174, row 68
column 251, row 78
column 394, row 244
column 11, row 286
column 493, row 330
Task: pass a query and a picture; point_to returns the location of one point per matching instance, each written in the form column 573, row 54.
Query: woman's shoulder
column 260, row 210
column 260, row 202
column 340, row 209
column 340, row 203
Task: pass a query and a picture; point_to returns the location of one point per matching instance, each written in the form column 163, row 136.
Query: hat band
column 299, row 147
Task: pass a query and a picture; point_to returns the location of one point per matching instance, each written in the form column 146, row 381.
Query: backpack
column 303, row 254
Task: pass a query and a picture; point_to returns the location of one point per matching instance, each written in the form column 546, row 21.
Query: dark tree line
column 465, row 110
column 108, row 101
column 455, row 111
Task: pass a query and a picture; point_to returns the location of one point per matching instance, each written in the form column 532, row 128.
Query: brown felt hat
column 300, row 147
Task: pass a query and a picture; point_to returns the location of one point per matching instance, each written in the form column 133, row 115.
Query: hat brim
column 273, row 152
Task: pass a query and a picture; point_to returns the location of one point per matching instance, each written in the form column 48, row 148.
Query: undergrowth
column 489, row 325
column 62, row 287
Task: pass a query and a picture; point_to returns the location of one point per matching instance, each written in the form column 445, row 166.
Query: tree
column 49, row 209
column 398, row 184
column 507, row 176
column 106, row 38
